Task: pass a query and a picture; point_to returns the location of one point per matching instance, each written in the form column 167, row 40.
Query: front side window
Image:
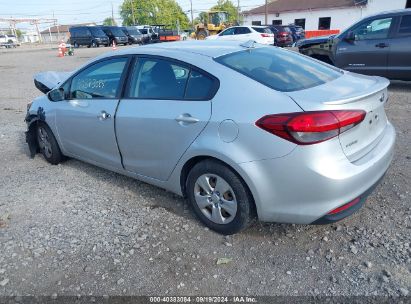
column 229, row 31
column 373, row 29
column 280, row 70
column 101, row 80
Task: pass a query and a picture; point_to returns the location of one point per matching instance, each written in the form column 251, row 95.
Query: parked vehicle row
column 377, row 45
column 94, row 36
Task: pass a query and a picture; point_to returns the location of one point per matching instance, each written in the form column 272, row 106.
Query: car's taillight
column 306, row 128
column 284, row 34
column 265, row 35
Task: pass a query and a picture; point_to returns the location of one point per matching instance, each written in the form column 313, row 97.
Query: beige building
column 57, row 33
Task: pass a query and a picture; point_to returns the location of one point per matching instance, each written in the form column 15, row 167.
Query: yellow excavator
column 217, row 21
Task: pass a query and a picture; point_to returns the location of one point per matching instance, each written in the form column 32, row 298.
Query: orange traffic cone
column 60, row 52
column 114, row 46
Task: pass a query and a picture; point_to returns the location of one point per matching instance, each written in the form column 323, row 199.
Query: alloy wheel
column 215, row 198
column 44, row 142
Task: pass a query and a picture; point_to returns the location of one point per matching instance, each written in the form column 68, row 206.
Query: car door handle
column 103, row 115
column 381, row 45
column 186, row 119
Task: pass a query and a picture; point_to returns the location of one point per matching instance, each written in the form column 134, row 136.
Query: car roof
column 209, row 48
column 391, row 13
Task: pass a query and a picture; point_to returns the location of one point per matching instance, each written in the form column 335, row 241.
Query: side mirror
column 350, row 37
column 56, row 94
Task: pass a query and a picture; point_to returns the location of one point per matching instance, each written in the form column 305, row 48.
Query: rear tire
column 48, row 145
column 219, row 197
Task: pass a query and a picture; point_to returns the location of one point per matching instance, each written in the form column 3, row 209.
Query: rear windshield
column 262, row 30
column 281, row 70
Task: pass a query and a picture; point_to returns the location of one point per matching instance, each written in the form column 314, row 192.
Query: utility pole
column 192, row 19
column 112, row 14
column 266, row 12
column 238, row 12
column 132, row 12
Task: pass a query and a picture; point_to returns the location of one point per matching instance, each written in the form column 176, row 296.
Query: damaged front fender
column 32, row 121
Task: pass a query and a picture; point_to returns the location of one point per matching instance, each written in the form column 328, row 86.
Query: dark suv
column 115, row 34
column 377, row 45
column 133, row 34
column 90, row 36
column 283, row 35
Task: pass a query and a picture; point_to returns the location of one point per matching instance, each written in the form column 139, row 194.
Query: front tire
column 219, row 197
column 48, row 145
column 202, row 34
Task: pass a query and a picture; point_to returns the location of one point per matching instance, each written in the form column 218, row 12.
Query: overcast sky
column 78, row 11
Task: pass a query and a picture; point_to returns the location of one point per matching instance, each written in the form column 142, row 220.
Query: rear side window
column 405, row 26
column 155, row 78
column 199, row 87
column 280, row 70
column 262, row 30
column 242, row 30
column 101, row 80
column 158, row 79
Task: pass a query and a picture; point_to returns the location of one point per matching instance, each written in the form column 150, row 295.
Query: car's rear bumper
column 331, row 217
column 305, row 185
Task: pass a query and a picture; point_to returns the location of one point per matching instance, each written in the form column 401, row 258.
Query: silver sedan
column 242, row 130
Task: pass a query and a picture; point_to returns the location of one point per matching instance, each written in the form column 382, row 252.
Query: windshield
column 117, row 32
column 133, row 31
column 97, row 32
column 217, row 18
column 281, row 70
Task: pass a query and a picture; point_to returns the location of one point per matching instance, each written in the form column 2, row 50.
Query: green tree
column 109, row 21
column 165, row 12
column 202, row 18
column 229, row 7
column 19, row 33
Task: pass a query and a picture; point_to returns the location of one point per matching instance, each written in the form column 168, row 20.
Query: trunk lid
column 351, row 92
column 46, row 81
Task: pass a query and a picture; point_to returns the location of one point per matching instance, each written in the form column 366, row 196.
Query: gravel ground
column 75, row 229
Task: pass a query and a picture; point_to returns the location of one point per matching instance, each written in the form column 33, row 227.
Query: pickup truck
column 377, row 45
column 8, row 41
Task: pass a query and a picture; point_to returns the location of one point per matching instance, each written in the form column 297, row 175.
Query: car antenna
column 250, row 44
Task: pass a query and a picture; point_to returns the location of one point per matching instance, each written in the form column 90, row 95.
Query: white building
column 320, row 14
column 30, row 37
